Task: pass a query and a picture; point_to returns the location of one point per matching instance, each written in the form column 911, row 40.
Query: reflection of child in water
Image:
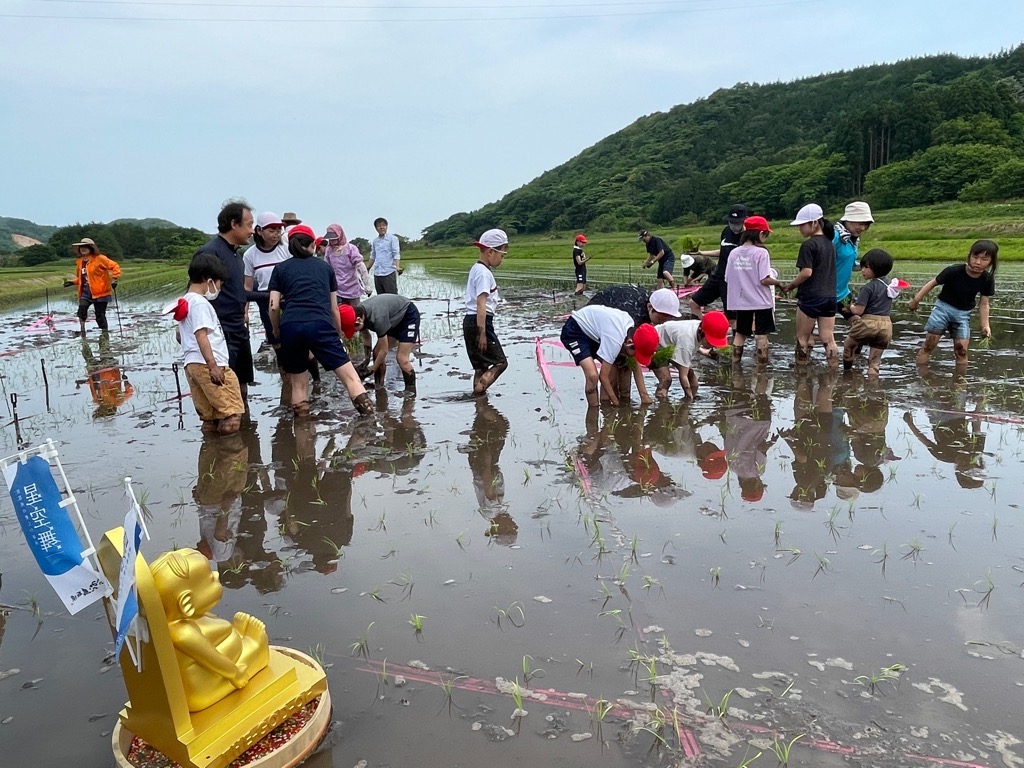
column 957, row 440
column 215, row 656
column 223, row 468
column 746, row 445
column 486, row 442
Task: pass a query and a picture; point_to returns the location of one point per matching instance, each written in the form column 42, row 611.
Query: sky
column 345, row 110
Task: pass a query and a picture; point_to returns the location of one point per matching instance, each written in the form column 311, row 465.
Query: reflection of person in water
column 817, row 438
column 318, row 514
column 395, row 444
column 486, row 442
column 223, row 467
column 957, row 436
column 620, row 461
column 867, row 412
column 263, row 500
column 746, row 434
column 108, row 386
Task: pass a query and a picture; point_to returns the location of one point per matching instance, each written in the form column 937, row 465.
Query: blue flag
column 51, row 535
column 127, row 599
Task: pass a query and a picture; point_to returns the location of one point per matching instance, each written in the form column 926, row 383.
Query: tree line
column 916, row 132
column 119, row 240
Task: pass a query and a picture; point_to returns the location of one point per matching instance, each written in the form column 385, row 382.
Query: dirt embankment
column 24, row 241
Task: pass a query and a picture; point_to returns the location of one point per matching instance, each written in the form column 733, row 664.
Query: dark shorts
column 714, row 288
column 490, row 357
column 240, row 357
column 386, row 283
column 580, row 345
column 299, row 338
column 818, row 307
column 581, row 273
column 407, row 331
column 667, row 264
column 751, row 321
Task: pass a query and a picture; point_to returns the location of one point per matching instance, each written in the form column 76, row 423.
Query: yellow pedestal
column 157, row 710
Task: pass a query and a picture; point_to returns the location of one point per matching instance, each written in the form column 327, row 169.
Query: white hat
column 268, row 219
column 858, row 212
column 807, row 214
column 492, row 238
column 666, row 301
column 686, row 261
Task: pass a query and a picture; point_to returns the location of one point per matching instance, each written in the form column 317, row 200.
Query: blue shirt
column 846, row 260
column 305, row 285
column 384, row 252
column 230, row 304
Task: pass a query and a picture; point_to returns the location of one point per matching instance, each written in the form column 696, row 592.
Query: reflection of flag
column 50, row 534
column 127, row 600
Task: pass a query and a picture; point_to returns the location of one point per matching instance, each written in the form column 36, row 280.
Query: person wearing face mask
column 347, row 262
column 715, row 287
column 216, row 393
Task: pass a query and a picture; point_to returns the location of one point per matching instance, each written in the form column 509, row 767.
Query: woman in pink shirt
column 751, row 278
column 346, row 261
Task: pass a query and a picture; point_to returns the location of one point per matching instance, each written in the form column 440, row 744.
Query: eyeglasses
column 503, row 253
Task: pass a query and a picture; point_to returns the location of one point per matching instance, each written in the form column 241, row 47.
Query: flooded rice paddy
column 688, row 583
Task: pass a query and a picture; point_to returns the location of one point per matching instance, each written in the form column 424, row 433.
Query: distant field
column 938, row 233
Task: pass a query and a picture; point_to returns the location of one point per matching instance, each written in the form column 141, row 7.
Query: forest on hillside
column 915, row 132
column 10, row 226
column 122, row 239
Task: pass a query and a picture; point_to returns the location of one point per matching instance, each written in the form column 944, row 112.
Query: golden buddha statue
column 215, row 656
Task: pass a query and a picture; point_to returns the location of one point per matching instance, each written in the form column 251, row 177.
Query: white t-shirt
column 481, row 280
column 201, row 315
column 607, row 326
column 259, row 265
column 682, row 335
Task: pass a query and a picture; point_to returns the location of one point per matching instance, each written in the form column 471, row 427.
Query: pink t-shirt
column 748, row 266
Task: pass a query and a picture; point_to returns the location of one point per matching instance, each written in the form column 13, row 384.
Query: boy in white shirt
column 600, row 334
column 485, row 352
column 215, row 390
column 683, row 337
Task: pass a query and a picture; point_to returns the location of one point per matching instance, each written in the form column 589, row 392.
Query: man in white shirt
column 385, row 258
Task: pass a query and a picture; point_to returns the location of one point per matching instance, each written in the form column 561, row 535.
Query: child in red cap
column 579, row 263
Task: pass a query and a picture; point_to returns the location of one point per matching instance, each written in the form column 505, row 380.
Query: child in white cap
column 485, row 352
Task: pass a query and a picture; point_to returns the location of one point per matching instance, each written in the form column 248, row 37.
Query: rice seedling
column 914, row 550
column 448, row 686
column 651, row 665
column 458, row 540
column 995, row 528
column 650, row 581
column 823, row 565
column 517, row 696
column 949, row 536
column 429, row 520
column 623, row 576
column 830, row 525
column 793, row 552
column 777, row 533
column 719, row 710
column 783, row 748
column 883, row 556
column 337, row 551
column 319, row 652
column 633, row 550
column 581, row 665
column 526, row 476
column 917, row 500
column 381, row 523
column 361, row 647
column 655, row 726
column 989, row 587
column 874, row 682
column 601, row 709
column 721, row 535
column 716, row 576
column 763, row 623
column 406, row 583
column 746, row 762
column 416, row 622
column 514, row 615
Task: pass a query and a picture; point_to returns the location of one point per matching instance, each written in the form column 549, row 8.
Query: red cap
column 302, row 229
column 581, row 238
column 756, row 224
column 348, row 320
column 645, row 342
column 714, row 464
column 716, row 328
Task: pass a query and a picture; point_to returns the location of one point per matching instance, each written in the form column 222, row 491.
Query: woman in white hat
column 855, row 222
column 816, row 279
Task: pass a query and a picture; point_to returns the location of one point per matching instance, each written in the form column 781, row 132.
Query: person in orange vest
column 96, row 276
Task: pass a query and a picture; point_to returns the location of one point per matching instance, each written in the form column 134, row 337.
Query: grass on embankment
column 19, row 285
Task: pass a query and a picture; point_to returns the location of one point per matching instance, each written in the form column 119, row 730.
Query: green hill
column 147, row 223
column 916, row 132
column 9, row 227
